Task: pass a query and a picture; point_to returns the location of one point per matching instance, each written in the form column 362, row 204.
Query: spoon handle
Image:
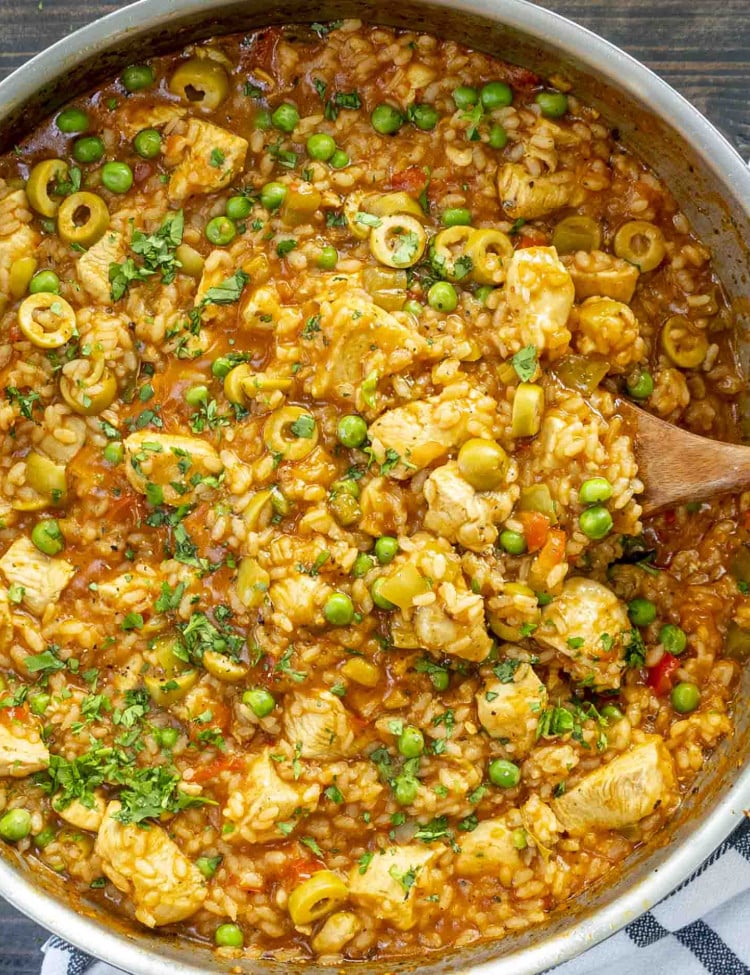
column 677, row 467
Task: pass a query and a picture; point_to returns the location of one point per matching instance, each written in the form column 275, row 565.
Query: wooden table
column 700, row 46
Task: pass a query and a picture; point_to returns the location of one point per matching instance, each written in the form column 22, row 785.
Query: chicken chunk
column 82, row 816
column 603, row 275
column 361, row 338
column 147, row 866
column 6, row 619
column 489, row 849
column 539, row 294
column 461, row 514
column 22, row 750
column 510, row 709
column 320, row 726
column 93, row 265
column 132, row 118
column 621, row 793
column 588, row 625
column 300, row 598
column 263, row 311
column 523, row 196
column 453, row 624
column 159, row 461
column 609, row 329
column 214, row 158
column 425, row 430
column 263, row 800
column 41, row 577
column 17, row 238
column 394, row 883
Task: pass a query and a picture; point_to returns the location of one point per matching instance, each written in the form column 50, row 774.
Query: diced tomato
column 301, row 868
column 670, row 517
column 531, row 237
column 660, row 675
column 552, row 552
column 535, row 529
column 204, row 773
column 412, row 180
column 18, row 713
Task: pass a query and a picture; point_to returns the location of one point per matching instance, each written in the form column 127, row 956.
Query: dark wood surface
column 700, row 46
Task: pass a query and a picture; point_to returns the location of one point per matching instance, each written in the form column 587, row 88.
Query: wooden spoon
column 676, row 466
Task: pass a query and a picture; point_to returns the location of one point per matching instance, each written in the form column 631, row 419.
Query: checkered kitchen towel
column 703, row 927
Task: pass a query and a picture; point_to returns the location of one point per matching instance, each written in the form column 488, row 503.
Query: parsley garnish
column 525, row 362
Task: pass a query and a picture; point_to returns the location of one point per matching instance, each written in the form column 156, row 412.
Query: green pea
column 88, row 149
column 518, row 838
column 380, row 601
column 208, row 865
column 117, row 177
column 498, row 136
column 44, row 281
column 167, row 737
column 362, row 565
column 685, row 698
column 221, row 367
column 673, row 639
column 441, row 679
column 386, row 549
column 413, row 308
column 321, row 146
column 640, row 385
column 44, row 838
column 47, row 537
column 347, row 485
column 496, row 94
column 411, row 742
column 38, row 703
column 425, row 117
column 262, row 119
column 483, row 292
column 328, row 258
column 456, row 217
column 405, row 790
column 260, row 701
column 285, row 117
column 465, row 97
column 238, row 207
column 513, row 542
column 272, row 195
column 339, row 160
column 114, row 452
column 15, row 825
column 229, row 936
column 138, row 76
column 386, row 119
column 552, row 103
column 596, row 522
column 442, row 296
column 221, row 231
column 196, row 395
column 72, row 120
column 351, row 430
column 338, row 609
column 611, row 712
column 543, row 598
column 147, row 143
column 594, row 490
column 504, row 774
column 641, row 612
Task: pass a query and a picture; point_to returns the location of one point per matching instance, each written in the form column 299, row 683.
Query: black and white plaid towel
column 702, row 927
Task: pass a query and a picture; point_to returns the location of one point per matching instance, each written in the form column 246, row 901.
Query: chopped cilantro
column 525, row 362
